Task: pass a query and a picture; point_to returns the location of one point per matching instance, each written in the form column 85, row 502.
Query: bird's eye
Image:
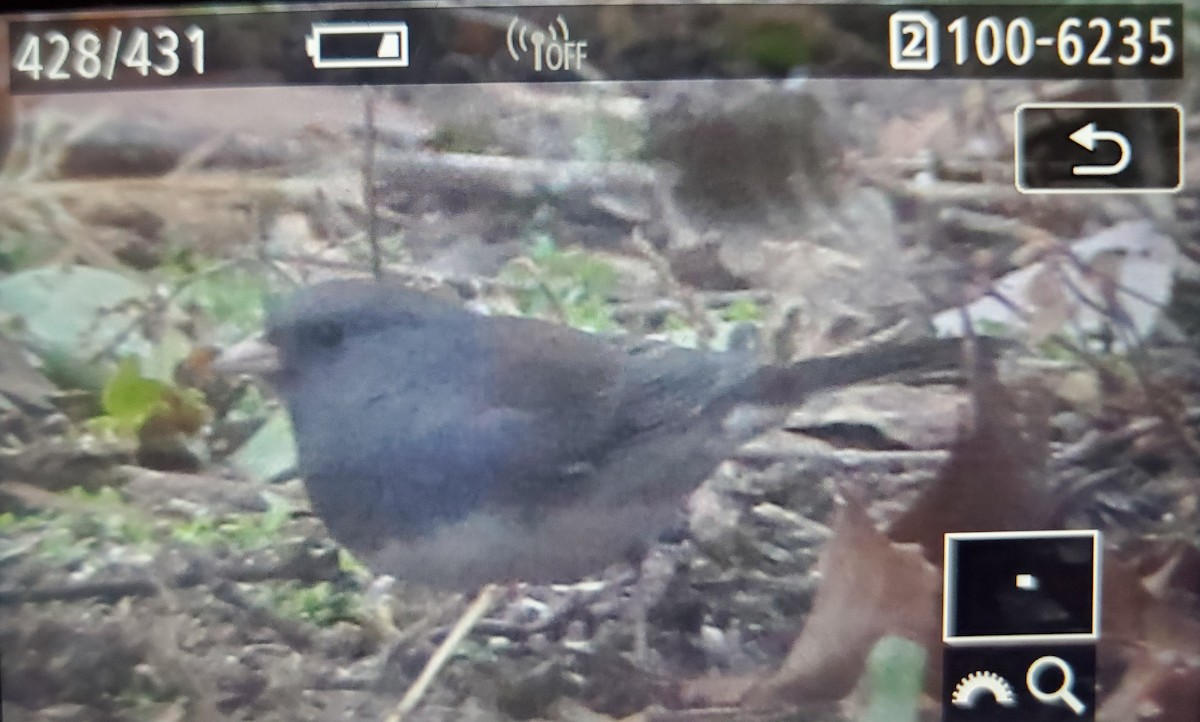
column 326, row 333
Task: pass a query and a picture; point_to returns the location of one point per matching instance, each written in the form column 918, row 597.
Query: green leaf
column 64, row 305
column 321, row 603
column 894, row 677
column 271, row 451
column 742, row 309
column 233, row 297
column 572, row 284
column 128, row 396
column 72, row 313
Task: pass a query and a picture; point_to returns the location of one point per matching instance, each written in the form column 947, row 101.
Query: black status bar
column 415, row 44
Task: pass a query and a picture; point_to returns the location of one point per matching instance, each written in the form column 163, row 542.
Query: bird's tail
column 784, row 385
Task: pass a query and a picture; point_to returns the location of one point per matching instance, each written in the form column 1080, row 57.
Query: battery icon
column 358, row 45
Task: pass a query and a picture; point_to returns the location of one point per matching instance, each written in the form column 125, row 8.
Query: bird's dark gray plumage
column 453, row 448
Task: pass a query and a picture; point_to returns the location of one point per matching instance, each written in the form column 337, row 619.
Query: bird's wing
column 668, row 385
column 553, row 370
column 547, row 395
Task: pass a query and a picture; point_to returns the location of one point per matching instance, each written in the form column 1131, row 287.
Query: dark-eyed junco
column 454, row 448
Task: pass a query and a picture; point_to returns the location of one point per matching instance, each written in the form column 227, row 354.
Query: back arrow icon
column 1088, row 136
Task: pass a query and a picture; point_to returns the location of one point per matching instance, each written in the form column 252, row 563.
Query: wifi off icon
column 551, row 48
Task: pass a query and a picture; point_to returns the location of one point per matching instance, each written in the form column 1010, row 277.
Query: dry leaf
column 1122, row 274
column 988, row 482
column 871, row 588
column 1133, row 617
column 1049, row 306
column 1154, row 689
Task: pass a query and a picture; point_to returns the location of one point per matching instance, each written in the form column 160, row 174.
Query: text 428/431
column 89, row 54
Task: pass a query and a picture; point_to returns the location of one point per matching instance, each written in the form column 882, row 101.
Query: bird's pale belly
column 499, row 547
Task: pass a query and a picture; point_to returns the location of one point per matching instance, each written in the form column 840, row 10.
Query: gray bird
column 452, row 448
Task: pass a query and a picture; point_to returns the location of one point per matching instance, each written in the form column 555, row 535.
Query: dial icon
column 969, row 689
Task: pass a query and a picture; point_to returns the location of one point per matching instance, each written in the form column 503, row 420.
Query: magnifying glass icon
column 1064, row 693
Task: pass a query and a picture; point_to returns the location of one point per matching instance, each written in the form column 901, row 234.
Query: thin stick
column 370, row 193
column 483, row 602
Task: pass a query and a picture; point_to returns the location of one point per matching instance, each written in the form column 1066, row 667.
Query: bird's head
column 328, row 331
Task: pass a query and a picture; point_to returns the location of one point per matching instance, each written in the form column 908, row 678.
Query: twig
column 553, row 622
column 1167, row 407
column 500, row 177
column 948, row 169
column 370, row 192
column 459, row 282
column 556, row 305
column 717, row 714
column 1085, row 271
column 710, row 299
column 949, row 192
column 77, row 239
column 987, row 223
column 157, row 305
column 847, row 457
column 296, row 634
column 693, row 306
column 696, row 312
column 483, row 602
column 192, row 160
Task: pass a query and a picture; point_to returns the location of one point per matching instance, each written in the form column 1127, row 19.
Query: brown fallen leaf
column 725, row 691
column 990, row 480
column 875, row 585
column 1155, row 688
column 1136, row 618
column 1177, row 572
column 871, row 588
column 1050, row 306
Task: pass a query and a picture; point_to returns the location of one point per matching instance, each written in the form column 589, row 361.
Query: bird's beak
column 252, row 356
